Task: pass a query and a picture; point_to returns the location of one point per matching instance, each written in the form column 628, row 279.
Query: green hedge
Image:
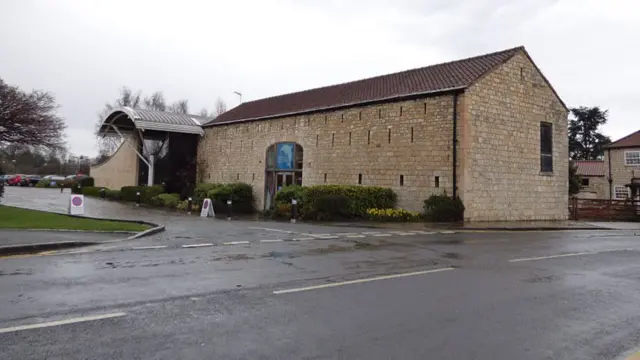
column 113, row 194
column 443, row 208
column 91, row 191
column 128, row 193
column 166, row 200
column 241, row 195
column 78, row 184
column 361, row 198
column 44, row 183
column 201, row 191
column 288, row 193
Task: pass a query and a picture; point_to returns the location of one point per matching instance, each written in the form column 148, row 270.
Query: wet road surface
column 495, row 295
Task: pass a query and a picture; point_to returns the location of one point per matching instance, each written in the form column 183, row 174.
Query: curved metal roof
column 154, row 120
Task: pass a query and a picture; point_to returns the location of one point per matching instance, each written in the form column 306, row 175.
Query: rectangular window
column 349, row 137
column 400, row 110
column 317, row 139
column 412, row 134
column 585, row 182
column 437, row 181
column 360, row 179
column 253, row 177
column 369, row 137
column 360, row 115
column 325, row 177
column 401, row 180
column 620, row 192
column 389, row 136
column 333, row 139
column 632, row 158
column 546, row 147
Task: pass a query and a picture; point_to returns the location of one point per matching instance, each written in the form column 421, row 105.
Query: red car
column 15, row 181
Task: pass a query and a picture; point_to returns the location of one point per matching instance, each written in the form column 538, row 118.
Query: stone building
column 490, row 129
column 594, row 184
column 622, row 160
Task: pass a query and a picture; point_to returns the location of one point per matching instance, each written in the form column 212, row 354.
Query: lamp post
column 239, row 95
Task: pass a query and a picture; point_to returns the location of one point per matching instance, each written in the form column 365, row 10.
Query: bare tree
column 204, row 112
column 29, row 118
column 156, row 102
column 221, row 107
column 179, row 107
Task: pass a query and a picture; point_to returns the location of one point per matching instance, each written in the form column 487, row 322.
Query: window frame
column 545, row 167
column 626, row 158
column 582, row 182
column 615, row 192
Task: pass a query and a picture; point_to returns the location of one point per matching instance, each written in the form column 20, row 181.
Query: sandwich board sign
column 207, row 208
column 76, row 204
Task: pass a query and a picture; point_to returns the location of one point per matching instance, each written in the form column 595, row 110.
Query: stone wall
column 381, row 142
column 598, row 188
column 501, row 146
column 621, row 174
column 121, row 169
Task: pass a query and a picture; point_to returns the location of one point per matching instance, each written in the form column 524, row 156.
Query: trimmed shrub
column 86, row 181
column 91, row 191
column 166, row 200
column 113, row 194
column 443, row 208
column 360, row 198
column 201, row 191
column 392, row 215
column 288, row 193
column 146, row 192
column 241, row 195
column 332, row 207
column 280, row 211
column 44, row 183
column 182, row 206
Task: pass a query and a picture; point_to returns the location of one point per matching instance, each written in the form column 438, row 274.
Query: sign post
column 207, row 209
column 76, row 204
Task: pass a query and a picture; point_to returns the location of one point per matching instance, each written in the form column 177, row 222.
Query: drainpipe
column 455, row 143
column 610, row 178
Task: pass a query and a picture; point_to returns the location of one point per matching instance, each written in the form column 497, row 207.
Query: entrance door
column 284, row 179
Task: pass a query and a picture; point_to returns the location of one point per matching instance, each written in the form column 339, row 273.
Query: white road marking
column 447, row 232
column 371, row 232
column 355, row 236
column 149, row 247
column 571, row 254
column 381, row 234
column 276, row 230
column 422, row 232
column 197, row 245
column 385, row 277
column 271, row 241
column 236, row 243
column 319, row 236
column 62, row 322
column 302, row 239
column 345, row 234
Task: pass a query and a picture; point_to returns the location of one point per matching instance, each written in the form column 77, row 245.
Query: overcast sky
column 83, row 51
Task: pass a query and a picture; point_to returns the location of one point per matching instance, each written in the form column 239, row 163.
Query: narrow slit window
column 349, row 137
column 389, row 136
column 360, row 115
column 400, row 110
column 425, row 108
column 325, row 177
column 437, row 181
column 238, row 176
column 253, row 177
column 317, row 139
column 412, row 134
column 546, row 147
column 341, row 117
column 401, row 180
column 359, row 179
column 325, row 119
column 369, row 137
column 379, row 113
column 333, row 139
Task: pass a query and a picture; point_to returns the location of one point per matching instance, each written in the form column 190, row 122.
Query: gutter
column 455, row 144
column 610, row 178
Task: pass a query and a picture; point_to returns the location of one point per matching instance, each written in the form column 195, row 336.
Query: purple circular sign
column 206, row 204
column 76, row 201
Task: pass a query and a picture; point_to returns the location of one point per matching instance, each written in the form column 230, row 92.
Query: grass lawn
column 17, row 218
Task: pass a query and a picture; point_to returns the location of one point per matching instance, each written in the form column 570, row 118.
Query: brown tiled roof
column 431, row 79
column 628, row 141
column 591, row 167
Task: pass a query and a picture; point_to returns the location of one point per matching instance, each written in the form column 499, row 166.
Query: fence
column 600, row 209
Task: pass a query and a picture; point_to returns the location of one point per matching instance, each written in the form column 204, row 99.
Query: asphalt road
column 553, row 295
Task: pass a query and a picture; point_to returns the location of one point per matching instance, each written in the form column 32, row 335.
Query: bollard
column 294, row 210
column 138, row 198
column 102, row 193
column 229, row 209
column 61, row 188
column 189, row 204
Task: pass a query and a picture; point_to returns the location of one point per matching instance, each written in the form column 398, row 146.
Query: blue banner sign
column 284, row 156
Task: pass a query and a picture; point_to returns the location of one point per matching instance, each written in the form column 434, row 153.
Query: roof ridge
column 521, row 47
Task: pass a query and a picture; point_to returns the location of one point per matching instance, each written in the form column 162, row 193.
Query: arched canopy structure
column 128, row 123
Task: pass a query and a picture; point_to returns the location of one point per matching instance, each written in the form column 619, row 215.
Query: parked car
column 7, row 178
column 54, row 177
column 15, row 180
column 30, row 180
